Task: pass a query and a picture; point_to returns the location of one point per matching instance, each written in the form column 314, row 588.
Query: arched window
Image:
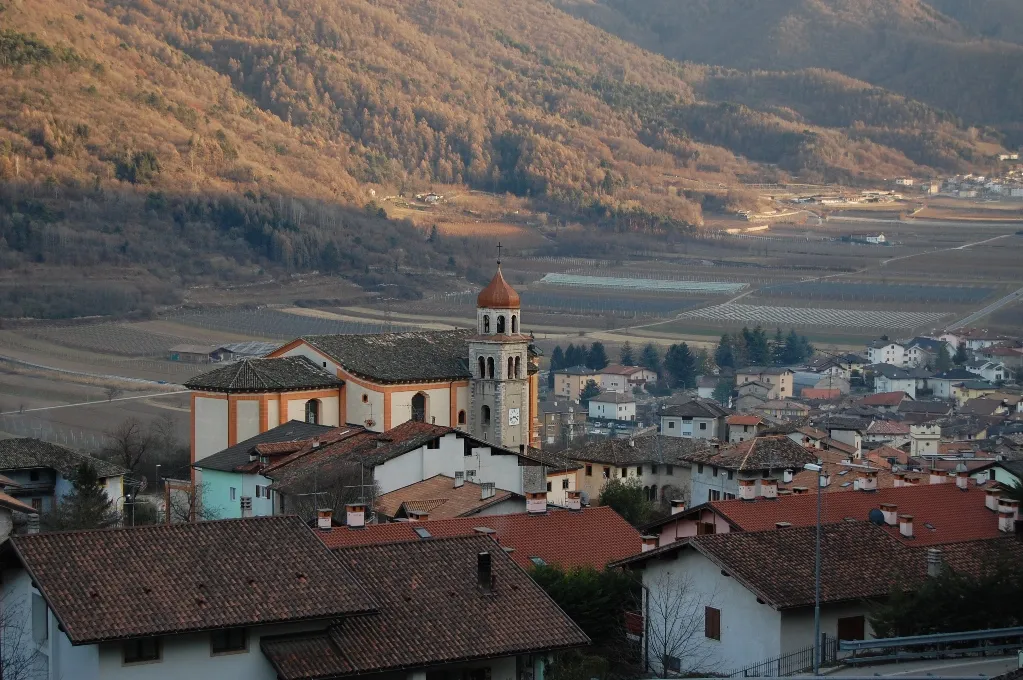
column 511, row 367
column 653, row 492
column 483, row 368
column 312, row 411
column 515, row 323
column 490, row 367
column 517, row 367
column 485, row 415
column 486, row 323
column 500, row 324
column 419, row 407
column 461, row 417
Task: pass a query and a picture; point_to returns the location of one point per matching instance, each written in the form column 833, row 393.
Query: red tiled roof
column 888, row 427
column 163, row 579
column 744, row 420
column 12, row 503
column 884, row 399
column 955, row 515
column 439, row 497
column 819, row 393
column 590, row 537
column 881, row 454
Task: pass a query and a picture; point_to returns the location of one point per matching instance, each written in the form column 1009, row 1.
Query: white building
column 888, row 378
column 886, row 352
column 613, row 406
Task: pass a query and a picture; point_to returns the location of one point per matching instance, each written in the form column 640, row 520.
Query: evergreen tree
column 590, row 390
column 794, row 350
column 85, row 507
column 723, row 390
column 758, row 349
column 808, row 349
column 574, row 356
column 629, row 499
column 778, row 348
column 944, row 361
column 626, row 355
column 596, row 358
column 960, row 357
column 650, row 358
column 680, row 365
column 724, row 355
column 704, row 362
column 557, row 358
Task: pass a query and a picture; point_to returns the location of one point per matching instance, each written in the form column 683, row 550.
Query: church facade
column 482, row 381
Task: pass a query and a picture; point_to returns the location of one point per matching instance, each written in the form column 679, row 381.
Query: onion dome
column 498, row 294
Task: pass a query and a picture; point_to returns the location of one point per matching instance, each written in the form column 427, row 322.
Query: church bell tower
column 499, row 399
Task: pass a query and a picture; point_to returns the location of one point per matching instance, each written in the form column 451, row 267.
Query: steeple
column 498, row 294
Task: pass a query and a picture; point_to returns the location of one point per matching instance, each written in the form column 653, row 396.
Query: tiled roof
column 881, row 454
column 760, row 453
column 400, row 357
column 927, row 407
column 885, row 427
column 265, row 375
column 763, row 370
column 613, row 398
column 695, row 408
column 812, row 432
column 956, row 515
column 25, row 453
column 955, row 374
column 163, row 579
column 576, row 370
column 981, row 407
column 647, row 449
column 820, row 393
column 588, row 537
column 289, row 435
column 12, row 503
column 431, row 612
column 783, row 404
column 884, row 399
column 891, row 372
column 439, row 496
column 744, row 420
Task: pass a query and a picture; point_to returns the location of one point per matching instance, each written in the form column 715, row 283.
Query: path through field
column 991, row 308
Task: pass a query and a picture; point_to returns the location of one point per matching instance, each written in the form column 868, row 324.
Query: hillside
column 954, row 55
column 146, row 146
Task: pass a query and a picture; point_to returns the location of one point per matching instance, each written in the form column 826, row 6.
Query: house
column 694, row 419
column 570, row 382
column 913, row 411
column 884, row 431
column 923, row 352
column 849, row 431
column 821, row 393
column 658, row 462
column 618, row 378
column 778, row 380
column 885, row 351
column 720, row 473
column 1012, row 357
column 743, row 427
column 971, row 389
column 942, row 383
column 984, row 406
column 706, row 385
column 1005, row 472
column 885, row 401
column 751, row 395
column 613, row 406
column 200, row 599
column 41, row 473
column 782, row 409
column 446, row 378
column 889, row 378
column 199, row 354
column 809, row 437
column 757, row 589
column 581, row 537
column 924, row 439
column 561, row 422
column 991, row 371
column 445, row 497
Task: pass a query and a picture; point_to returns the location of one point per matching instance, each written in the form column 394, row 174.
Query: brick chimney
column 963, row 480
column 906, row 526
column 487, row 490
column 649, row 542
column 937, row 478
column 800, row 490
column 890, row 513
column 573, row 500
column 678, row 506
column 459, row 479
column 824, row 479
column 418, row 515
column 324, row 519
column 769, row 488
column 536, row 502
column 991, row 499
column 747, row 489
column 900, row 479
column 786, row 476
column 934, row 562
column 869, row 480
column 355, row 515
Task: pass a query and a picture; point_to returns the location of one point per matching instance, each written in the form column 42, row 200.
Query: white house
column 694, row 419
column 889, row 378
column 613, row 406
column 992, row 371
column 942, row 384
column 885, row 351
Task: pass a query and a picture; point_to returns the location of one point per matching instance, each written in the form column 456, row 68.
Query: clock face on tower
column 513, row 416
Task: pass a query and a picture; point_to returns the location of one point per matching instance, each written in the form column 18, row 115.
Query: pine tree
column 590, row 390
column 650, row 358
column 596, row 358
column 944, row 360
column 794, row 350
column 723, row 390
column 85, row 507
column 757, row 347
column 680, row 364
column 557, row 359
column 960, row 357
column 808, row 349
column 724, row 355
column 778, row 348
column 574, row 356
column 625, row 355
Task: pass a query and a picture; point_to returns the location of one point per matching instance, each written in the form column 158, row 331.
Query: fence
column 789, row 664
column 938, row 645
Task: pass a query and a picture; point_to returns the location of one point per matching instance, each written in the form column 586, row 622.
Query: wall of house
column 689, row 428
column 750, row 632
column 625, row 412
column 438, row 406
column 670, row 486
column 512, row 506
column 296, row 408
column 706, row 481
column 423, row 463
column 942, row 389
column 557, row 493
column 209, row 425
column 684, row 528
column 246, row 418
column 216, row 492
column 797, row 627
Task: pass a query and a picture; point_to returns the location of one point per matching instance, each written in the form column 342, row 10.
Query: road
column 994, row 306
column 934, row 668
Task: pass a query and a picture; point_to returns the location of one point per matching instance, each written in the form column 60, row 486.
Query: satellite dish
column 875, row 516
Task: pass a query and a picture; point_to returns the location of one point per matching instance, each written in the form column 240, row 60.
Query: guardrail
column 932, row 646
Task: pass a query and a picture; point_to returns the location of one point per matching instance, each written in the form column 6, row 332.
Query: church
column 482, row 381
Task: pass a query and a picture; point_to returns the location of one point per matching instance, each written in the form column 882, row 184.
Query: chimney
column 1008, row 512
column 963, row 480
column 934, row 562
column 573, row 500
column 782, row 525
column 649, row 542
column 484, row 571
column 747, row 489
column 769, row 488
column 536, row 502
column 418, row 516
column 786, row 476
column 900, row 479
column 824, row 480
column 324, row 517
column 906, row 526
column 800, row 490
column 33, row 524
column 869, row 481
column 678, row 506
column 459, row 479
column 937, row 478
column 890, row 513
column 982, row 477
column 316, row 443
column 355, row 515
column 487, row 490
column 632, row 443
column 991, row 499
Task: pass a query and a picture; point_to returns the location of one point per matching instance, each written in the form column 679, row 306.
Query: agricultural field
column 878, row 292
column 653, row 285
column 110, row 338
column 800, row 317
column 277, row 325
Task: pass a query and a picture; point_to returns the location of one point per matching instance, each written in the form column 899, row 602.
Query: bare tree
column 187, row 502
column 129, row 444
column 20, row 658
column 113, row 392
column 676, row 612
column 330, row 485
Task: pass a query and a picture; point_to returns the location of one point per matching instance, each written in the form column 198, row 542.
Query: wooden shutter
column 851, row 628
column 712, row 623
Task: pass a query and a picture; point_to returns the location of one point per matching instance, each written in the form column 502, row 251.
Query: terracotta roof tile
column 24, row 453
column 265, row 375
column 440, row 498
column 819, row 393
column 163, row 579
column 283, row 439
column 884, row 399
column 590, row 537
column 399, row 357
column 647, row 449
column 12, row 503
column 885, row 427
column 760, row 453
column 744, row 420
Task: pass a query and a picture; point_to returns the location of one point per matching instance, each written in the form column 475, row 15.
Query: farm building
column 199, row 354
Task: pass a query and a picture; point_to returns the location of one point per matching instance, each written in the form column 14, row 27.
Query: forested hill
column 214, row 138
column 962, row 56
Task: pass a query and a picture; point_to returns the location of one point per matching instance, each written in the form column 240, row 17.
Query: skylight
column 538, row 561
column 422, row 532
column 845, row 484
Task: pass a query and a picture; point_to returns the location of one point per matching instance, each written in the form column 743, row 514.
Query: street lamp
column 817, row 467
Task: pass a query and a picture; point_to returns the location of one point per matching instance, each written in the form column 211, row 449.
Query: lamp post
column 817, row 467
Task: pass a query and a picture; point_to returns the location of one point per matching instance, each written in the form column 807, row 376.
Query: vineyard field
column 877, row 292
column 277, row 325
column 801, row 316
column 110, row 338
column 536, row 301
column 651, row 285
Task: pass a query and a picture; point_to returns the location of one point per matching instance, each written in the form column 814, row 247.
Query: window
column 229, row 640
column 538, row 561
column 37, row 503
column 233, row 492
column 365, row 397
column 40, row 627
column 517, row 367
column 515, row 324
column 461, row 417
column 483, row 368
column 639, row 470
column 548, row 486
column 141, row 651
column 490, row 367
column 699, row 468
column 671, row 424
column 729, row 496
column 607, row 473
column 712, row 623
column 564, row 484
column 669, row 469
column 500, row 324
column 653, row 469
column 421, row 532
column 589, row 470
column 703, row 426
column 419, row 407
column 259, row 491
column 511, row 367
column 713, row 495
column 625, row 473
column 34, row 475
column 851, row 628
column 672, row 664
column 486, row 323
column 485, row 415
column 312, row 411
column 713, row 471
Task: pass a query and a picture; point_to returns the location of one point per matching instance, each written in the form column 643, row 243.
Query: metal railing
column 937, row 645
column 800, row 661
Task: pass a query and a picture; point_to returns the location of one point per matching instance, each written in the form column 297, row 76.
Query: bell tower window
column 490, row 367
column 500, row 324
column 483, row 368
column 485, row 415
column 486, row 323
column 515, row 323
column 511, row 368
column 516, row 374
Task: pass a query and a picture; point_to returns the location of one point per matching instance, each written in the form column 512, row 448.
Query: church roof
column 264, row 375
column 417, row 356
column 498, row 294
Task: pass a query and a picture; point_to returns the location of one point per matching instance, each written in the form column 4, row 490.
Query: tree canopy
column 628, row 499
column 86, row 506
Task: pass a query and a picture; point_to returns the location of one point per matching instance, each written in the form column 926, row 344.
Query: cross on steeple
column 499, row 246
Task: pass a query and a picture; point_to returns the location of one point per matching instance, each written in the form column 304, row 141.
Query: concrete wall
column 363, row 404
column 217, row 493
column 210, row 423
column 423, row 463
column 247, row 422
column 557, row 493
column 797, row 624
column 273, row 413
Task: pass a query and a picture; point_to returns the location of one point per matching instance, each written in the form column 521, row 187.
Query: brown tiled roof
column 888, row 427
column 163, row 579
column 12, row 503
column 761, row 453
column 285, row 438
column 648, row 449
column 884, row 399
column 24, row 453
column 744, row 420
column 588, row 537
column 265, row 375
column 820, row 393
column 431, row 612
column 440, row 498
column 695, row 408
column 399, row 357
